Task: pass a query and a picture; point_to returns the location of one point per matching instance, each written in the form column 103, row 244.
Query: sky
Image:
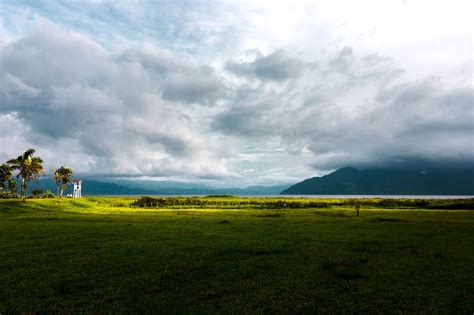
column 237, row 93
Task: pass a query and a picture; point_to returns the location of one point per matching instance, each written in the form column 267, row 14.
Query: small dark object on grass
column 357, row 207
column 224, row 221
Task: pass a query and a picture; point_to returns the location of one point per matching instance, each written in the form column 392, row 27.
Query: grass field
column 98, row 255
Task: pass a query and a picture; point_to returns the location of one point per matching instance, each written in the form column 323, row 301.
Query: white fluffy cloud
column 75, row 96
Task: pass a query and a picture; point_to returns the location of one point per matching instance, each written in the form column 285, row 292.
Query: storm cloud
column 277, row 66
column 360, row 112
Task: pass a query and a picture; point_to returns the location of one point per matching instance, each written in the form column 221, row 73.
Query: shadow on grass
column 345, row 269
column 81, row 204
column 331, row 214
column 268, row 215
column 378, row 220
column 250, row 252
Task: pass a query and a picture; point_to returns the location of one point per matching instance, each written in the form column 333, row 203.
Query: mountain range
column 351, row 181
column 345, row 181
column 130, row 187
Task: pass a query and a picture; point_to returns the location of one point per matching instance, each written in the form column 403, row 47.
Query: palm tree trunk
column 24, row 188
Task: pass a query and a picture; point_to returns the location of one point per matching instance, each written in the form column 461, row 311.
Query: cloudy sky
column 236, row 93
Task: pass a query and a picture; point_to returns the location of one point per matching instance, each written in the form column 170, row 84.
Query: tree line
column 30, row 168
column 275, row 203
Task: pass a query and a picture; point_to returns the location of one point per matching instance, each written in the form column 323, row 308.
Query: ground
column 98, row 255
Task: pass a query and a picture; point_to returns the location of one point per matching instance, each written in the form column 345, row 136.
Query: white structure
column 76, row 193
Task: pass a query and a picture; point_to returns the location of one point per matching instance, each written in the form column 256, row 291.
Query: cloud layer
column 263, row 115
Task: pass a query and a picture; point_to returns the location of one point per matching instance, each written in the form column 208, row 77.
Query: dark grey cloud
column 201, row 86
column 410, row 125
column 344, row 60
column 241, row 121
column 277, row 66
column 181, row 80
column 251, row 113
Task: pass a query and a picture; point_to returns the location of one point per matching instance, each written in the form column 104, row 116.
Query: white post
column 76, row 193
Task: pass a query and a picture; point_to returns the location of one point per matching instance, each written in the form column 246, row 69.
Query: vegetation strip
column 298, row 203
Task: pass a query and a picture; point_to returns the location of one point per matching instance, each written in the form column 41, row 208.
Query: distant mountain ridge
column 93, row 187
column 350, row 181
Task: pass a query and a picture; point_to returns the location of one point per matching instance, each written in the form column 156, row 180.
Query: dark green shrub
column 144, row 202
column 37, row 192
column 8, row 195
column 48, row 194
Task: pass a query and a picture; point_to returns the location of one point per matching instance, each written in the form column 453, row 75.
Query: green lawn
column 97, row 255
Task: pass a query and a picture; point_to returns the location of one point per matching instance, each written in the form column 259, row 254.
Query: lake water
column 323, row 196
column 382, row 196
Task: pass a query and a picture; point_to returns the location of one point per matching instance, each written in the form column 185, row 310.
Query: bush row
column 199, row 202
column 35, row 194
column 238, row 203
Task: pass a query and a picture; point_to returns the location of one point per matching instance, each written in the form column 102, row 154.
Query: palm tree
column 65, row 174
column 29, row 168
column 57, row 179
column 12, row 186
column 6, row 175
